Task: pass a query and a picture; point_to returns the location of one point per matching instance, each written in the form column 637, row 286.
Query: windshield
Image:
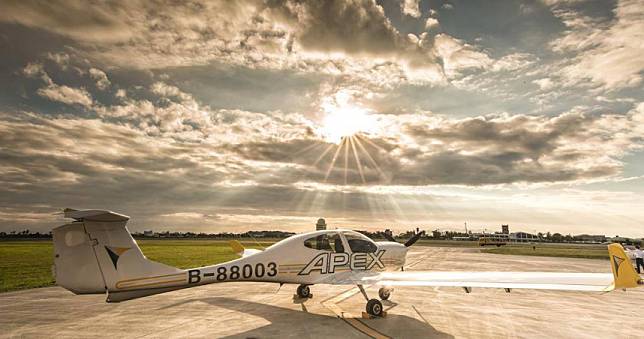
column 359, row 243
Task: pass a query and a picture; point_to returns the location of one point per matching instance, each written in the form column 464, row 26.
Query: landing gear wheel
column 384, row 293
column 374, row 307
column 303, row 291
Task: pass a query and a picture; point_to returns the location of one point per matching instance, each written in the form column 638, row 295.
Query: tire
column 384, row 293
column 374, row 307
column 303, row 291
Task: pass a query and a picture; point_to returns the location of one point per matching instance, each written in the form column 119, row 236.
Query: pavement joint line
column 420, row 315
column 332, row 304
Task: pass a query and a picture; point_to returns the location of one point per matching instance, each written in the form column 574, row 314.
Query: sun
column 345, row 121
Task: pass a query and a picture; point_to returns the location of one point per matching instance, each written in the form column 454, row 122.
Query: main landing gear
column 374, row 306
column 304, row 292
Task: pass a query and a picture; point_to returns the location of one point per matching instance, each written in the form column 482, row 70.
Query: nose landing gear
column 374, row 306
column 303, row 291
column 384, row 293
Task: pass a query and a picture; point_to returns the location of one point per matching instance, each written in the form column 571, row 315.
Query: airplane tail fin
column 622, row 267
column 239, row 249
column 96, row 254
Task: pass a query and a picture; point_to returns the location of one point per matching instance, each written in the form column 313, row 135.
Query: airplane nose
column 394, row 251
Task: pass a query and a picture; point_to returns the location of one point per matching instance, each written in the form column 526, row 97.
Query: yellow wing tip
column 237, row 247
column 623, row 272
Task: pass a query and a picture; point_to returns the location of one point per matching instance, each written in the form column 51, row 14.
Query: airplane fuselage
column 290, row 261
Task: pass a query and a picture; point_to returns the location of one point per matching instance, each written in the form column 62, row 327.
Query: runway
column 257, row 310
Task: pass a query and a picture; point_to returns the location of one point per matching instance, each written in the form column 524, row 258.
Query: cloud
column 121, row 93
column 169, row 91
column 486, row 150
column 52, row 91
column 95, row 22
column 102, row 82
column 349, row 38
column 353, row 27
column 458, row 56
column 544, row 84
column 607, row 52
column 61, row 59
column 431, row 23
column 498, row 149
column 34, row 69
column 66, row 95
column 270, row 166
column 410, row 7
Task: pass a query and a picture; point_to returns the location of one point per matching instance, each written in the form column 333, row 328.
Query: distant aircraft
column 96, row 254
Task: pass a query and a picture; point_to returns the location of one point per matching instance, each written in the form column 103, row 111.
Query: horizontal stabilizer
column 239, row 249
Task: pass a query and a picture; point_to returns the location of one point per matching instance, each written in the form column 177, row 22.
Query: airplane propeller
column 409, row 242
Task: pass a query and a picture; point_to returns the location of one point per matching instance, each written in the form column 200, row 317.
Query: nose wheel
column 374, row 307
column 384, row 293
column 303, row 291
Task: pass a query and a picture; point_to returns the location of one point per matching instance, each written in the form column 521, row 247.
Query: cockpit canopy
column 337, row 241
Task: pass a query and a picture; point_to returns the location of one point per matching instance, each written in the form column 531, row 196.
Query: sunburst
column 344, row 127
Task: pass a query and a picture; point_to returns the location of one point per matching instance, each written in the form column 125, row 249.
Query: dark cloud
column 356, row 26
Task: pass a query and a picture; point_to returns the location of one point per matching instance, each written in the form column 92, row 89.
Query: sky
column 227, row 116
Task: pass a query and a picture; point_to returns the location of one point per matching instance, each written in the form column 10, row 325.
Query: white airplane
column 96, row 254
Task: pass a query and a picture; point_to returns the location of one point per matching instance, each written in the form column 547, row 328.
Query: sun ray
column 370, row 158
column 376, row 146
column 307, row 148
column 397, row 210
column 357, row 158
column 323, row 154
column 346, row 158
column 335, row 156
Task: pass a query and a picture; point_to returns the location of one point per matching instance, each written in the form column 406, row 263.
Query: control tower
column 320, row 225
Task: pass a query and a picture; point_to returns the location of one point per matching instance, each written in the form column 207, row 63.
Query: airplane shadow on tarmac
column 286, row 322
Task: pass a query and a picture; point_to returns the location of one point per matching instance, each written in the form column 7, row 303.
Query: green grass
column 27, row 264
column 553, row 250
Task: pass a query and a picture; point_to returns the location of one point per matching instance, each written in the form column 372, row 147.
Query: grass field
column 27, row 264
column 553, row 250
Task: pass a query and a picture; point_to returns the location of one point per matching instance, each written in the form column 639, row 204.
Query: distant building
column 591, row 238
column 505, row 229
column 523, row 237
column 148, row 233
column 320, row 225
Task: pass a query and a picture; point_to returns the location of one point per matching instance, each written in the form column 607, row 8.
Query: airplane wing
column 511, row 280
column 623, row 276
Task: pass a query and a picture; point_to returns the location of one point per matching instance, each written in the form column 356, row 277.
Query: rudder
column 623, row 272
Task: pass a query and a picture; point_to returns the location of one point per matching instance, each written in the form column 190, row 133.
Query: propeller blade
column 413, row 239
column 389, row 237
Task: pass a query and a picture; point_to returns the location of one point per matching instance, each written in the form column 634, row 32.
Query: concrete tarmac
column 257, row 310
